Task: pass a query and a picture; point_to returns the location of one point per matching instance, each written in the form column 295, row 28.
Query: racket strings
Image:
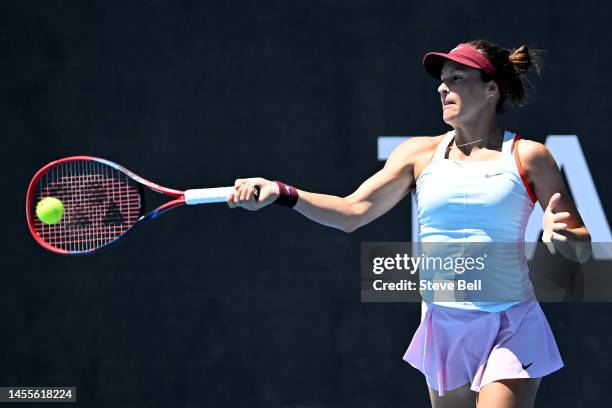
column 100, row 204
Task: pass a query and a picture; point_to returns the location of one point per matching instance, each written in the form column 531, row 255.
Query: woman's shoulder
column 418, row 145
column 413, row 153
column 533, row 153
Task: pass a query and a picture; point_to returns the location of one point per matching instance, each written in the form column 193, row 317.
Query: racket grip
column 207, row 195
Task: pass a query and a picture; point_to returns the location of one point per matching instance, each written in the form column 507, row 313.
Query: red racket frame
column 177, row 195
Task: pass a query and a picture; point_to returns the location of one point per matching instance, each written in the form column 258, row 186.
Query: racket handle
column 207, row 195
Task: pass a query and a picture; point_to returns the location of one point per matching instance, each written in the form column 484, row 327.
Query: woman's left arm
column 561, row 224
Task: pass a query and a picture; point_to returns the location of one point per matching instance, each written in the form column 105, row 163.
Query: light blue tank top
column 478, row 201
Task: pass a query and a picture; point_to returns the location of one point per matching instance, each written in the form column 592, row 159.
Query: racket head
column 102, row 202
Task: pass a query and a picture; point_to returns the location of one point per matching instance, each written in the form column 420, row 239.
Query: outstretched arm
column 377, row 195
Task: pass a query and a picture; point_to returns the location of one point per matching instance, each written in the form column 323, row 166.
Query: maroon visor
column 467, row 55
column 464, row 54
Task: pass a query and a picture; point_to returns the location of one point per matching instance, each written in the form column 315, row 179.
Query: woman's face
column 464, row 96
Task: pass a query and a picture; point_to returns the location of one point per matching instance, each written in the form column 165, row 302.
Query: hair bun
column 520, row 59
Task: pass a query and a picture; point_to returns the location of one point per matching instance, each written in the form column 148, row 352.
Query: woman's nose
column 443, row 89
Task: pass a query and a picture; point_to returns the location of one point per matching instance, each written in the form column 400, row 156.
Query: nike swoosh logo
column 493, row 174
column 526, row 366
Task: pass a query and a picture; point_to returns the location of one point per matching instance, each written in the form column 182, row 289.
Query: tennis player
column 475, row 182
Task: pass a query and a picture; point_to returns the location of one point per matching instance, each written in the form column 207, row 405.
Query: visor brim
column 434, row 61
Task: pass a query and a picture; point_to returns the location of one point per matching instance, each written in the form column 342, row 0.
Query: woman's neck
column 477, row 136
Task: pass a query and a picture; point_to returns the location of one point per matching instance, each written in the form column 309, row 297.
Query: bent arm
column 547, row 182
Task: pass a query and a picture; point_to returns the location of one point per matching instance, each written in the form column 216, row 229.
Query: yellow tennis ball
column 50, row 210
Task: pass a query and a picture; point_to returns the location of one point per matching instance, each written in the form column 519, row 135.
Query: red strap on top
column 532, row 195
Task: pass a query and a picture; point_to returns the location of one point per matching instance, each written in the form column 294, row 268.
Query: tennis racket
column 102, row 200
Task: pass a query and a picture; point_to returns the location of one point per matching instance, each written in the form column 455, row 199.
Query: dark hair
column 511, row 67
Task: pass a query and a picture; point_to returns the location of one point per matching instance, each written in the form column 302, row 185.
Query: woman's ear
column 492, row 89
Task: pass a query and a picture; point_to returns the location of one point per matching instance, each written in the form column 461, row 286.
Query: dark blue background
column 217, row 307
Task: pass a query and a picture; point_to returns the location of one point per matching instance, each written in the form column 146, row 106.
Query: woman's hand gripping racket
column 102, row 202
